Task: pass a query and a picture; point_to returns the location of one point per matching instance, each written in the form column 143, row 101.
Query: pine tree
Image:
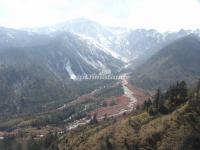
column 172, row 93
column 183, row 90
column 162, row 108
column 145, row 105
column 138, row 107
column 149, row 103
column 177, row 94
column 157, row 98
column 198, row 90
column 151, row 111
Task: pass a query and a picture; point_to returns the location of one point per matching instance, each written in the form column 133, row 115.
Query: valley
column 45, row 104
column 123, row 104
column 112, row 106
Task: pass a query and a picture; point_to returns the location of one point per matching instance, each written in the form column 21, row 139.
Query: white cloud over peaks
column 159, row 14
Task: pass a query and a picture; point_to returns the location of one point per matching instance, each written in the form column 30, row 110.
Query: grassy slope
column 178, row 130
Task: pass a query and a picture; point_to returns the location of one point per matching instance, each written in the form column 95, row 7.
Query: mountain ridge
column 177, row 61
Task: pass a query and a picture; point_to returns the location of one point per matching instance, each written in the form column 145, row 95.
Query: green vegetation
column 64, row 116
column 50, row 142
column 110, row 91
column 168, row 101
column 56, row 118
column 41, row 95
column 170, row 120
column 177, row 128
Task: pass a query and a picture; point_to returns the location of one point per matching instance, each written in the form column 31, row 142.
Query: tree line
column 174, row 96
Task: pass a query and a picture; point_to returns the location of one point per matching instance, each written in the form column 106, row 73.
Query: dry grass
column 134, row 132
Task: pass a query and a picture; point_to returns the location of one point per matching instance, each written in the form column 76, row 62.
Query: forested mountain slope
column 179, row 60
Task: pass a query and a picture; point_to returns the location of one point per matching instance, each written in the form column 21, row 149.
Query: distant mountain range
column 126, row 44
column 67, row 52
column 131, row 45
column 180, row 60
column 36, row 65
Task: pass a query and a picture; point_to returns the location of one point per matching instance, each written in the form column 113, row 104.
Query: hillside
column 177, row 129
column 177, row 61
column 140, row 132
column 36, row 76
column 169, row 121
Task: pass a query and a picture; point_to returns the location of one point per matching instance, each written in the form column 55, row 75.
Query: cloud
column 159, row 14
column 164, row 14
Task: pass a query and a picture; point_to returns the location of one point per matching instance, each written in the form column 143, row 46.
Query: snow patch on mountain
column 89, row 61
column 93, row 43
column 70, row 71
column 10, row 35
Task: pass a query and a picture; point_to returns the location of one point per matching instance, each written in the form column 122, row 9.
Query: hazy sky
column 159, row 14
